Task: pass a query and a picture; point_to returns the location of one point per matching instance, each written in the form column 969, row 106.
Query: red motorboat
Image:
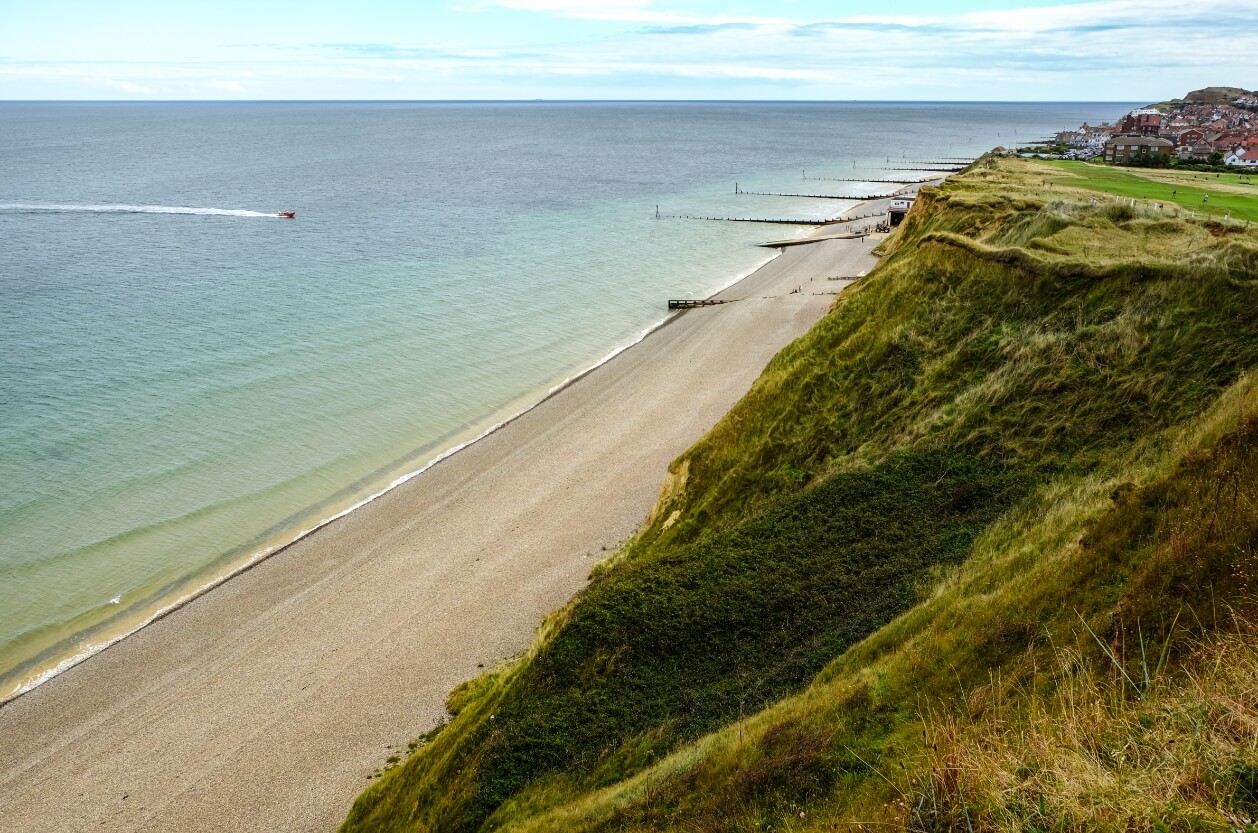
column 288, row 214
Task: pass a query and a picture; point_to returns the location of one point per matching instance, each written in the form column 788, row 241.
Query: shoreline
column 242, row 566
column 575, row 438
column 42, row 672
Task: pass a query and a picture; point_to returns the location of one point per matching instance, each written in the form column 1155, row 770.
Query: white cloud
column 625, row 11
column 122, row 86
column 1125, row 14
column 1101, row 50
column 992, row 54
column 578, row 8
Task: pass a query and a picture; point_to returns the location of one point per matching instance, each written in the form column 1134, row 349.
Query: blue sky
column 1102, row 50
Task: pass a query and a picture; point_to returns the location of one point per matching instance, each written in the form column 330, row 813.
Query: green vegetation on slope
column 951, row 479
column 1208, row 95
column 991, row 706
column 680, row 640
column 1124, row 742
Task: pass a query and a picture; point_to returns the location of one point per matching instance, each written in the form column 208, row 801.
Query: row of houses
column 1200, row 148
column 1124, row 149
column 1193, row 131
column 1206, row 117
column 1088, row 141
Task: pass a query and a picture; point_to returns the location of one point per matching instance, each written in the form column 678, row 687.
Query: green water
column 188, row 381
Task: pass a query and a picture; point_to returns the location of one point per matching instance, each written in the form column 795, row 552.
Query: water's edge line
column 262, row 555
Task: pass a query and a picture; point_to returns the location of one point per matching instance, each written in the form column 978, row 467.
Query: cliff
column 976, row 553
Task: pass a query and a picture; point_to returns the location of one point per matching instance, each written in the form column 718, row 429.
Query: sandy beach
column 266, row 703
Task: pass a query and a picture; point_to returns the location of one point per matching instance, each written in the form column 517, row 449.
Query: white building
column 1242, row 157
column 897, row 210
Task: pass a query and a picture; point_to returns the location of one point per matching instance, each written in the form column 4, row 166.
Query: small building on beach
column 898, row 208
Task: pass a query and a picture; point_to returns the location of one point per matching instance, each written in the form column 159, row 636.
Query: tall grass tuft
column 1086, row 754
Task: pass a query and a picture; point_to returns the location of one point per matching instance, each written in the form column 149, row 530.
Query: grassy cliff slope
column 997, row 502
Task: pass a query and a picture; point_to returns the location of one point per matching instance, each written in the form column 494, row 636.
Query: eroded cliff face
column 1007, row 477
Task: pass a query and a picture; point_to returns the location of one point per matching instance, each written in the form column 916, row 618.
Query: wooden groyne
column 686, row 303
column 792, row 221
column 781, row 221
column 867, row 179
column 804, row 241
column 855, row 198
column 932, row 170
column 775, row 221
column 837, row 235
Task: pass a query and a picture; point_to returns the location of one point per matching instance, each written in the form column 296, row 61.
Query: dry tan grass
column 1101, row 751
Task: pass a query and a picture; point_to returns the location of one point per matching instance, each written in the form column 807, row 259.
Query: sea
column 189, row 382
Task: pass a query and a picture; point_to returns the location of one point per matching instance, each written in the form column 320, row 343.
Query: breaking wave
column 133, row 209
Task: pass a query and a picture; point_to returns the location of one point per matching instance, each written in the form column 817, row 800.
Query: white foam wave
column 133, row 209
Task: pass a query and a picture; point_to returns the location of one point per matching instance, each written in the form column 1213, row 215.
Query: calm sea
column 187, row 380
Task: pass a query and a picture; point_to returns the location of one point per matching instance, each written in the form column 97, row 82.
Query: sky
column 915, row 50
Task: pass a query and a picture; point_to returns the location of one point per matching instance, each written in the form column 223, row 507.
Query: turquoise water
column 188, row 381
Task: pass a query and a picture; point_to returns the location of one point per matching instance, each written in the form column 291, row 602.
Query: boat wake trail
column 130, row 209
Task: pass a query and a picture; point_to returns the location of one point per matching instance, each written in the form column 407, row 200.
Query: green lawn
column 1187, row 193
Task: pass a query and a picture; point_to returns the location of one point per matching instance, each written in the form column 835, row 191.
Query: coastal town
column 1212, row 126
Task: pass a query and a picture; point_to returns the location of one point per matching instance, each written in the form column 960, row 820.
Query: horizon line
column 545, row 101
